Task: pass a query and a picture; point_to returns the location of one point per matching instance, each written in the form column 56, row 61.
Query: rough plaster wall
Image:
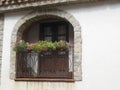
column 100, row 26
column 10, row 20
column 100, row 50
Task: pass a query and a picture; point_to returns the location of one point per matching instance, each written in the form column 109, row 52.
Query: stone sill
column 45, row 79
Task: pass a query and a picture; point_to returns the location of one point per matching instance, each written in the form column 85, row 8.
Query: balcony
column 43, row 65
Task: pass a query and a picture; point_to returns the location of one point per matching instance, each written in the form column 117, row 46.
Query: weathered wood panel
column 44, row 65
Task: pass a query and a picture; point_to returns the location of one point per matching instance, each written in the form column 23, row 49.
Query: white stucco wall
column 100, row 26
column 101, row 47
column 10, row 21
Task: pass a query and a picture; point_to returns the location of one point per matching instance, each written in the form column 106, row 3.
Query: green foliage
column 41, row 46
column 62, row 45
column 20, row 46
column 51, row 45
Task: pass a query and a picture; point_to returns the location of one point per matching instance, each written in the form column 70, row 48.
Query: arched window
column 50, row 65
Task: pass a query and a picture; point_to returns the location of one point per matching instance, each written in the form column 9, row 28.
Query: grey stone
column 34, row 16
column 1, row 39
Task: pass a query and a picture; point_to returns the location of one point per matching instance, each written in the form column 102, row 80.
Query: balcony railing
column 42, row 65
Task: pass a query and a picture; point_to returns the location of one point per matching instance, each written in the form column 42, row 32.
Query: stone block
column 1, row 38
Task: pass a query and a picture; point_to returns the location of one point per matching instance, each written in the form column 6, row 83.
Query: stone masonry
column 1, row 38
column 37, row 15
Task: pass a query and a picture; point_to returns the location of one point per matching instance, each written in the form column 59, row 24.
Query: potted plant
column 62, row 45
column 20, row 46
column 42, row 46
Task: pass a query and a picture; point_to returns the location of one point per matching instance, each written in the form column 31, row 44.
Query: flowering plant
column 41, row 46
column 20, row 46
column 62, row 45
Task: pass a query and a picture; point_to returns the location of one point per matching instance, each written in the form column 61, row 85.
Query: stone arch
column 35, row 15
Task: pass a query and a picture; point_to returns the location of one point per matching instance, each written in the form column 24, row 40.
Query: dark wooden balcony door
column 54, row 66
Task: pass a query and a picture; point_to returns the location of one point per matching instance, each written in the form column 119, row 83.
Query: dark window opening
column 54, row 31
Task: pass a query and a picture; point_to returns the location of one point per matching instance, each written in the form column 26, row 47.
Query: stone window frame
column 38, row 14
column 1, row 39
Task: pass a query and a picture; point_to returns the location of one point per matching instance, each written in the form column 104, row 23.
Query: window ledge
column 45, row 79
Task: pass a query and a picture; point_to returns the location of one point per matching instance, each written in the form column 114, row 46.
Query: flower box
column 41, row 46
